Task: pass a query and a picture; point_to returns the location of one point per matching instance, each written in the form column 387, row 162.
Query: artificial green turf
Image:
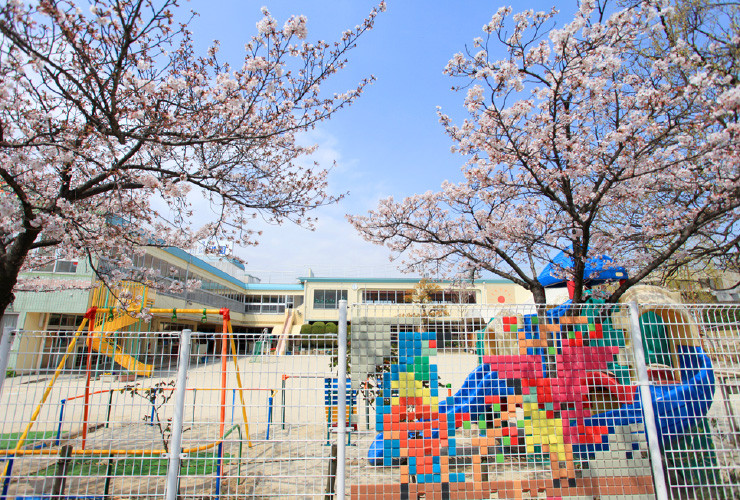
column 197, row 465
column 8, row 441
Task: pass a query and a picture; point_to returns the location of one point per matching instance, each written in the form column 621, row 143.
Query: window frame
column 330, row 298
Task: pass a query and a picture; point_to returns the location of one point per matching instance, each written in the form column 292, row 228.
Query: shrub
column 332, row 328
column 305, row 329
column 318, row 328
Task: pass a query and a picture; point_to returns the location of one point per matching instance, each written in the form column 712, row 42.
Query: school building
column 272, row 313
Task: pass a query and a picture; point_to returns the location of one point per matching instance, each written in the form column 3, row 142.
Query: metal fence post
column 5, row 343
column 643, row 381
column 342, row 400
column 173, row 466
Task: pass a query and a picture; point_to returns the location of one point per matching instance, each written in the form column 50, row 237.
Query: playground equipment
column 130, row 363
column 262, row 345
column 331, row 400
column 566, row 381
column 117, row 319
column 227, row 342
column 287, row 326
column 597, row 270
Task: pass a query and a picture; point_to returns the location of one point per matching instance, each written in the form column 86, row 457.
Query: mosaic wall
column 538, row 407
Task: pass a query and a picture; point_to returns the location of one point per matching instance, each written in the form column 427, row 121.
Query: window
column 453, row 297
column 269, row 304
column 404, row 296
column 8, row 321
column 54, row 264
column 386, row 296
column 167, row 326
column 46, row 268
column 328, row 299
column 64, row 321
column 66, row 266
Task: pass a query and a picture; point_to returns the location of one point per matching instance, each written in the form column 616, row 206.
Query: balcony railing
column 163, row 287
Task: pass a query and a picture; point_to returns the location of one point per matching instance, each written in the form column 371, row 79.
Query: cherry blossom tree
column 707, row 33
column 103, row 109
column 576, row 141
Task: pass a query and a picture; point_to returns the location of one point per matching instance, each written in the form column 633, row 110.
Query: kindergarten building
column 269, row 315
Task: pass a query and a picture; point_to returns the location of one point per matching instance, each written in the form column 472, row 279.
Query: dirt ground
column 285, row 394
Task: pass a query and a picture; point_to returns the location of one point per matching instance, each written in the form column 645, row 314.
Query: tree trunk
column 7, row 296
column 11, row 264
column 538, row 292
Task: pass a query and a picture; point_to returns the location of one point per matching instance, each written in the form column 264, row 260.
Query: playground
column 562, row 403
column 238, row 424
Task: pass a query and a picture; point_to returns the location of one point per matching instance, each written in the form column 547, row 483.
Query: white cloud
column 334, row 249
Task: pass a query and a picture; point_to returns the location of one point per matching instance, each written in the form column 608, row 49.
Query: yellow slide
column 125, row 360
column 119, row 321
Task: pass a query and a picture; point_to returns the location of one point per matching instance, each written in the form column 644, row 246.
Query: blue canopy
column 598, row 270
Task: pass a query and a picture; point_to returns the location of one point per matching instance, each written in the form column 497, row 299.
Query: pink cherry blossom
column 102, row 111
column 581, row 140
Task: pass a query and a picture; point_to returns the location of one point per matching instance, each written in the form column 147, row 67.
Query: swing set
column 97, row 341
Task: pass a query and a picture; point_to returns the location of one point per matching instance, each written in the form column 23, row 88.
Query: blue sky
column 389, row 143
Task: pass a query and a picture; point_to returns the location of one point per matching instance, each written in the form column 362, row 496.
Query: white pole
column 651, row 430
column 173, row 466
column 342, row 400
column 5, row 342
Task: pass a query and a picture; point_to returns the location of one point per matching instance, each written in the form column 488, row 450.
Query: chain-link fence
column 442, row 401
column 596, row 401
column 101, row 422
column 701, row 456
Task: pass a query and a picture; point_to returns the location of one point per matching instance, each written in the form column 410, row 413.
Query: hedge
column 318, row 328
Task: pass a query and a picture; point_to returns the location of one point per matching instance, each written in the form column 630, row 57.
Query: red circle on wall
column 501, row 299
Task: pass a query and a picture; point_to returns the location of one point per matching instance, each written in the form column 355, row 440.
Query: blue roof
column 598, row 270
column 237, row 264
column 182, row 254
column 289, row 287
